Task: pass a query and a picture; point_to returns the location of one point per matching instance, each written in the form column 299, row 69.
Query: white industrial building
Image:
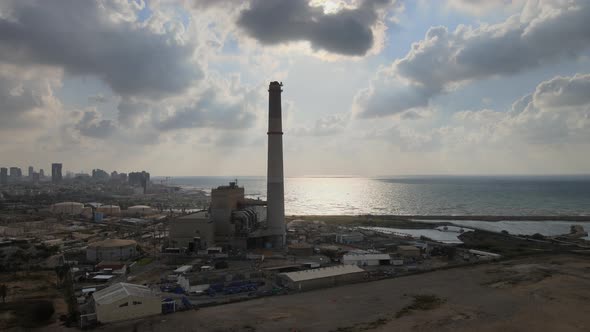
column 366, row 259
column 322, row 277
column 124, row 301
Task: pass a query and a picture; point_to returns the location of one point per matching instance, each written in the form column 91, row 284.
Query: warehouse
column 111, row 250
column 408, row 251
column 323, row 277
column 366, row 259
column 124, row 301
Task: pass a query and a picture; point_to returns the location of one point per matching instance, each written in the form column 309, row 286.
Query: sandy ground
column 531, row 294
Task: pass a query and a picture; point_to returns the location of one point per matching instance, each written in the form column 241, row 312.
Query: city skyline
column 407, row 88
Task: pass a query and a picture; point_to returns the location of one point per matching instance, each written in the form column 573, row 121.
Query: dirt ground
column 26, row 289
column 542, row 293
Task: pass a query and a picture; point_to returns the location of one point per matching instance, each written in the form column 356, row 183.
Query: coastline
column 411, row 218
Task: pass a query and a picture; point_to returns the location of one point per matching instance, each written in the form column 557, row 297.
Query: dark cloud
column 99, row 39
column 23, row 96
column 210, row 110
column 92, row 125
column 347, row 32
column 444, row 59
column 98, row 99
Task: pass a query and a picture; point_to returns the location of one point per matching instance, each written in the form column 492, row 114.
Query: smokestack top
column 275, row 86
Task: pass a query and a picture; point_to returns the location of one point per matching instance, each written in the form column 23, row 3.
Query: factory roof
column 120, row 291
column 110, row 243
column 68, row 204
column 322, row 272
column 202, row 215
column 366, row 257
column 408, row 248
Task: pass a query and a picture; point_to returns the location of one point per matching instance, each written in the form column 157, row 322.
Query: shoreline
column 411, row 218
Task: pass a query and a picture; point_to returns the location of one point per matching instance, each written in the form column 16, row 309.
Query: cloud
column 26, row 96
column 483, row 7
column 91, row 124
column 98, row 99
column 349, row 31
column 208, row 111
column 544, row 32
column 332, row 124
column 103, row 39
column 555, row 115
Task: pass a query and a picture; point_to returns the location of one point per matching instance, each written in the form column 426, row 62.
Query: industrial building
column 194, row 231
column 300, row 249
column 124, row 301
column 348, row 238
column 408, row 251
column 111, row 250
column 322, row 277
column 366, row 259
column 237, row 222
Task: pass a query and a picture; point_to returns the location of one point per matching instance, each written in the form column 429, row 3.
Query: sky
column 371, row 87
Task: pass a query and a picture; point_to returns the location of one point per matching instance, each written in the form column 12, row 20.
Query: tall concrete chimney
column 275, row 189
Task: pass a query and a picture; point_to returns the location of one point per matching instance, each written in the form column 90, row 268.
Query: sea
column 423, row 195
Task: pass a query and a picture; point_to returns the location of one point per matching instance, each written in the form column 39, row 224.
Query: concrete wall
column 118, row 311
column 96, row 254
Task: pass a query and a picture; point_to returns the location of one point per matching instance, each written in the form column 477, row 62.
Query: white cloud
column 544, row 32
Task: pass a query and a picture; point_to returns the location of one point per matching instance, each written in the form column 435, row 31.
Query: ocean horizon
column 504, row 195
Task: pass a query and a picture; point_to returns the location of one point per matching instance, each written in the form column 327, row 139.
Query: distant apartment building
column 31, row 171
column 141, row 179
column 16, row 173
column 3, row 175
column 56, row 175
column 41, row 173
column 99, row 175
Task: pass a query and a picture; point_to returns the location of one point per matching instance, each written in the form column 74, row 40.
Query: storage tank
column 71, row 208
column 141, row 210
column 109, row 210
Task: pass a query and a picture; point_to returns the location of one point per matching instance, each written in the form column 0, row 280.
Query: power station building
column 234, row 221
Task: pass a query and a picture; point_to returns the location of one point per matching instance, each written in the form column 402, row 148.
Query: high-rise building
column 3, row 175
column 99, row 175
column 31, row 171
column 275, row 187
column 41, row 173
column 140, row 179
column 56, row 175
column 15, row 173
